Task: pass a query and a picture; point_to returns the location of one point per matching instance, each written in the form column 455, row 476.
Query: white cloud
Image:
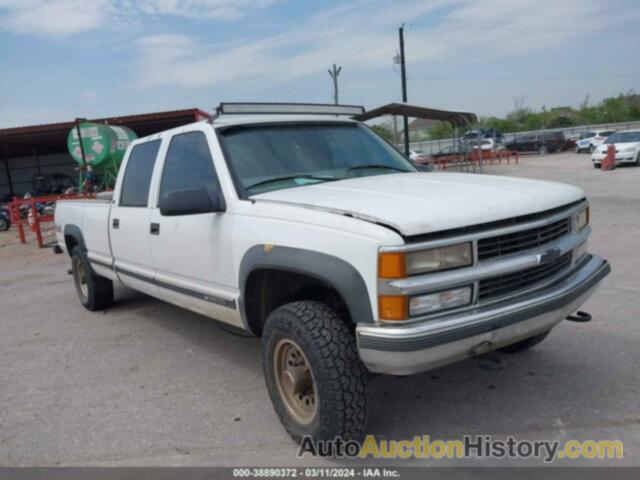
column 363, row 36
column 68, row 17
column 60, row 17
column 203, row 9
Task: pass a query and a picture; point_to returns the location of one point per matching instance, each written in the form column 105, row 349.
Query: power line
column 521, row 29
column 527, row 77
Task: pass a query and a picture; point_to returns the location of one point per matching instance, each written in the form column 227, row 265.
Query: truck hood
column 418, row 203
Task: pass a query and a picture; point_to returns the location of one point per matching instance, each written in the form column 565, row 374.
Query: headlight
column 443, row 258
column 432, row 302
column 582, row 219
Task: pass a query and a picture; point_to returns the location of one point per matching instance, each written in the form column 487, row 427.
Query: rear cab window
column 137, row 176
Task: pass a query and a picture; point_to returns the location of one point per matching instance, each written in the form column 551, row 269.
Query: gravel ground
column 146, row 383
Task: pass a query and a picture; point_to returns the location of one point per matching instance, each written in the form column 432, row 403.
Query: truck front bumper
column 414, row 348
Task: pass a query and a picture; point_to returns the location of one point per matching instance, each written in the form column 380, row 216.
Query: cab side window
column 137, row 177
column 189, row 165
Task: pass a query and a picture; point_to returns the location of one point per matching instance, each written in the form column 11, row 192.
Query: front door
column 131, row 218
column 192, row 253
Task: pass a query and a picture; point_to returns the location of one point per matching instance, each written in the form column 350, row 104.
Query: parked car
column 51, row 184
column 627, row 145
column 5, row 219
column 589, row 141
column 414, row 154
column 419, row 157
column 490, row 144
column 332, row 247
column 543, row 143
column 483, row 133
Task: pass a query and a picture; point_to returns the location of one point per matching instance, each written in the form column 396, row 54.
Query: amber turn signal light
column 392, row 265
column 392, row 307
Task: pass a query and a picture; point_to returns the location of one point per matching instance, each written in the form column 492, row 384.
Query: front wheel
column 578, row 149
column 596, row 165
column 316, row 380
column 543, row 150
column 591, row 148
column 525, row 344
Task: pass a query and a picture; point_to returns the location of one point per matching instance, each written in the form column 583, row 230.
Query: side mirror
column 190, row 201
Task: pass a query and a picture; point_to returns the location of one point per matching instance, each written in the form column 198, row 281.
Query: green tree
column 384, row 131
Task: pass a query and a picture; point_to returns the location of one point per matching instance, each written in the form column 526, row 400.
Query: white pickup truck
column 317, row 235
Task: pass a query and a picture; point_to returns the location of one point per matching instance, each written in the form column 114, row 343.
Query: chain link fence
column 434, row 146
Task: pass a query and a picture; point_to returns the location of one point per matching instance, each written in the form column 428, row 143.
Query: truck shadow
column 497, row 393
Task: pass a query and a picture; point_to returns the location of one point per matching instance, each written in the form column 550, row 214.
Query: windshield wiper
column 291, row 177
column 376, row 165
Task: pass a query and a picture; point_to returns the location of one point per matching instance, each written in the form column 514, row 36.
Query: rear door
column 131, row 217
column 192, row 252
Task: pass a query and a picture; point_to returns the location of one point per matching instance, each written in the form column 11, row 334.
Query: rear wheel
column 578, row 149
column 542, row 150
column 525, row 344
column 95, row 292
column 5, row 224
column 596, row 165
column 316, row 380
column 591, row 148
column 637, row 162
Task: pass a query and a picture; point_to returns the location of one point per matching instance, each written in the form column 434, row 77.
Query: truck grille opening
column 522, row 240
column 509, row 283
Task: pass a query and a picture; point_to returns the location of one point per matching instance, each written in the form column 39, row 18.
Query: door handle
column 154, row 229
column 116, row 223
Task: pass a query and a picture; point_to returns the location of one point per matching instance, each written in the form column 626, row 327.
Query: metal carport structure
column 43, row 148
column 456, row 119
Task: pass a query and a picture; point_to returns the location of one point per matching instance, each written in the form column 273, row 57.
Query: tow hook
column 580, row 316
column 482, row 347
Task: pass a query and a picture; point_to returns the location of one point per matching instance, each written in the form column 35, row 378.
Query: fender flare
column 332, row 271
column 74, row 232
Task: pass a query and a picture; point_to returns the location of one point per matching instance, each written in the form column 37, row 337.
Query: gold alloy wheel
column 295, row 382
column 81, row 281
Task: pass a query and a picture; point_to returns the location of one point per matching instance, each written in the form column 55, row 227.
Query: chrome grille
column 512, row 282
column 523, row 240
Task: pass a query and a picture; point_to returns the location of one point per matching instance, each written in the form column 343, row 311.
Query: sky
column 62, row 59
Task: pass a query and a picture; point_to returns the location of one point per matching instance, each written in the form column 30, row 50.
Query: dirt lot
column 146, row 383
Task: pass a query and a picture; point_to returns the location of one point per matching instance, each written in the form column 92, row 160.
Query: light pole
column 333, row 73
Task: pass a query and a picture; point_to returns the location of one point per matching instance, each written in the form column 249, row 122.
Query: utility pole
column 403, row 74
column 334, row 75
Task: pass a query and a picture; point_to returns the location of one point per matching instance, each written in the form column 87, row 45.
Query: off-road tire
column 340, row 378
column 525, row 344
column 98, row 293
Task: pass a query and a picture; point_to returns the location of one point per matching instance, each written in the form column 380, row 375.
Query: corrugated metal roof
column 52, row 137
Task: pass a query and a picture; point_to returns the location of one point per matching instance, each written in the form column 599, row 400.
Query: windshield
column 623, row 137
column 272, row 157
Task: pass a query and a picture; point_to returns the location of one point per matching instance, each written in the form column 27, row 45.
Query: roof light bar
column 288, row 109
